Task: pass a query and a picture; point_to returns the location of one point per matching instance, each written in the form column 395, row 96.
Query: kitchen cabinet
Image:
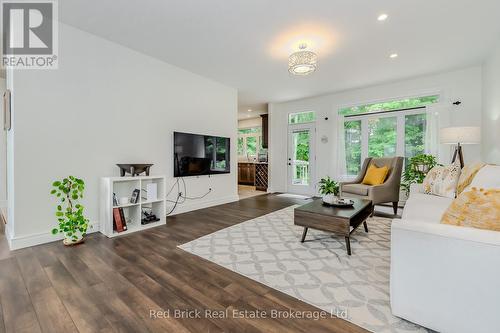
column 246, row 173
column 265, row 130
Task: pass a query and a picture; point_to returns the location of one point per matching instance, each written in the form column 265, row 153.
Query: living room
column 250, row 166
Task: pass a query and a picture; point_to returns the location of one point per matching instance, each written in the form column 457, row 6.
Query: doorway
column 301, row 159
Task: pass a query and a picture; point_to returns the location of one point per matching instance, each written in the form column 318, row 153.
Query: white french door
column 301, row 159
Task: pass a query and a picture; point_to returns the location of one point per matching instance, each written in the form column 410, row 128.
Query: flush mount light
column 302, row 62
column 249, row 110
column 393, row 55
column 382, row 17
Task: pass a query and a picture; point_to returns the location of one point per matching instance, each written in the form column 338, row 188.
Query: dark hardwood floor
column 110, row 285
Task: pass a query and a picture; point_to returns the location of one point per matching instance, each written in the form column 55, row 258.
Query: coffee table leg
column 348, row 245
column 366, row 226
column 304, row 233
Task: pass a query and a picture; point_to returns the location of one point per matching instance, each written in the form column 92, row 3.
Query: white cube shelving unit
column 123, row 187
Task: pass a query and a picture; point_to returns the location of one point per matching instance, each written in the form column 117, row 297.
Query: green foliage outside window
column 388, row 106
column 382, row 136
column 302, row 146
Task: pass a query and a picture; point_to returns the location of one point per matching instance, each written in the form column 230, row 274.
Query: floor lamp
column 459, row 136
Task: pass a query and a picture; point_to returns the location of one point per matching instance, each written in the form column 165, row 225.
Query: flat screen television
column 198, row 155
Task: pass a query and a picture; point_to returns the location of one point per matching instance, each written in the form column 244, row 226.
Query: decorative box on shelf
column 114, row 190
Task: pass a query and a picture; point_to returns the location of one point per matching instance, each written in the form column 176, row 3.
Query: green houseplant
column 69, row 212
column 329, row 189
column 417, row 169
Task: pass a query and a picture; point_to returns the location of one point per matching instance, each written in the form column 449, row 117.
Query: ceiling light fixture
column 302, row 62
column 249, row 110
column 393, row 55
column 382, row 17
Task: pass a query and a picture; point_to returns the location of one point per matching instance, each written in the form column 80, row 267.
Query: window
column 385, row 134
column 353, row 146
column 301, row 117
column 249, row 142
column 407, row 103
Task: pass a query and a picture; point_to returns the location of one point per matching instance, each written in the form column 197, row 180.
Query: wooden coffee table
column 339, row 220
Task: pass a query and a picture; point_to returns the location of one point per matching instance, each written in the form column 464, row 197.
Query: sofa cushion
column 477, row 208
column 467, row 175
column 425, row 207
column 359, row 189
column 487, row 177
column 442, row 180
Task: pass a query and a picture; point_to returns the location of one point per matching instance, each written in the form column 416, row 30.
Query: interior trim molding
column 16, row 243
column 184, row 208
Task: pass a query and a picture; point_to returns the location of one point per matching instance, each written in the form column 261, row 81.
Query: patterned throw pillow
column 477, row 208
column 442, row 180
column 467, row 175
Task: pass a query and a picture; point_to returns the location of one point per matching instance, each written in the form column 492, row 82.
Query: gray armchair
column 386, row 192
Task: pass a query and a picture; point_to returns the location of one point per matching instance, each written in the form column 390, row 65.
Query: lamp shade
column 462, row 135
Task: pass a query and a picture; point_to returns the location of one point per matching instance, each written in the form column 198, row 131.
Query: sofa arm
column 416, row 188
column 445, row 277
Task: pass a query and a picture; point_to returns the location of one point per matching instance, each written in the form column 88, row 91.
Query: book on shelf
column 119, row 222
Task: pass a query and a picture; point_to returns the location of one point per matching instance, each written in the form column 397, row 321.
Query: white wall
column 491, row 108
column 464, row 85
column 107, row 104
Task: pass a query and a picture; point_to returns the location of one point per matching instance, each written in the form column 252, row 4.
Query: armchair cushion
column 375, row 176
column 358, row 189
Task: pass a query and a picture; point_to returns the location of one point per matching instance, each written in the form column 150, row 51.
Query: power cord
column 181, row 196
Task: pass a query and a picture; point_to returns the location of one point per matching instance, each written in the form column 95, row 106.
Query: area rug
column 319, row 271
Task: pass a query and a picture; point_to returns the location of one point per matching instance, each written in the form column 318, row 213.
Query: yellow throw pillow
column 477, row 208
column 375, row 176
column 467, row 175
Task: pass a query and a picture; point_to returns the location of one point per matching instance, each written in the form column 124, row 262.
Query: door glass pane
column 300, row 160
column 382, row 136
column 352, row 130
column 251, row 145
column 415, row 125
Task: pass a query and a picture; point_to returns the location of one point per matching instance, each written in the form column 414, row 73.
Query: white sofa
column 444, row 277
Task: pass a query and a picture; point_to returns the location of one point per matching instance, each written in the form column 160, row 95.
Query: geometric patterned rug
column 319, row 271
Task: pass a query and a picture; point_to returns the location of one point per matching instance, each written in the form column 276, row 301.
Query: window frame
column 258, row 139
column 400, row 129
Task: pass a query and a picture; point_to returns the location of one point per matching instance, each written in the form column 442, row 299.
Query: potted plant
column 329, row 189
column 416, row 170
column 69, row 212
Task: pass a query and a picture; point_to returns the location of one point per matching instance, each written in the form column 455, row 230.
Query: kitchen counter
column 251, row 162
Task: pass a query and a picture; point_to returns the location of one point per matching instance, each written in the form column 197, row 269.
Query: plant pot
column 329, row 198
column 70, row 241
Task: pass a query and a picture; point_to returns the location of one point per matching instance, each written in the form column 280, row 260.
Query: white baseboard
column 187, row 207
column 16, row 243
column 20, row 242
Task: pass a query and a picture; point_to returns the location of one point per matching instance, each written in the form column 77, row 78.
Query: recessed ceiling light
column 249, row 110
column 393, row 55
column 382, row 17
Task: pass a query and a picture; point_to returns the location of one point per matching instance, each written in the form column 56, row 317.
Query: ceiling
column 245, row 44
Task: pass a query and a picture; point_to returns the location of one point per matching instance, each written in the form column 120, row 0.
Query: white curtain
column 341, row 171
column 438, row 116
column 432, row 131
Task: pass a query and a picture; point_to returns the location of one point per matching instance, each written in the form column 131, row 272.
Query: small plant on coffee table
column 328, row 186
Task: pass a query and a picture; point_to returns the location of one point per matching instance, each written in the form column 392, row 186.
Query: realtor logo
column 29, row 34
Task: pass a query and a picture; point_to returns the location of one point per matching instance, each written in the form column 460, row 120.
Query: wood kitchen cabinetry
column 265, row 130
column 246, row 173
column 254, row 174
